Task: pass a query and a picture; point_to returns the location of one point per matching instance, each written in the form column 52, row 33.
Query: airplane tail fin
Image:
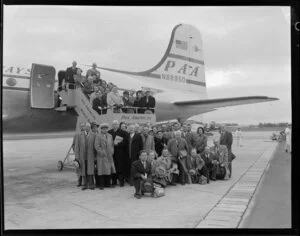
column 182, row 66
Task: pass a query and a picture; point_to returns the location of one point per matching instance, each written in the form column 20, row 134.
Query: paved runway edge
column 229, row 211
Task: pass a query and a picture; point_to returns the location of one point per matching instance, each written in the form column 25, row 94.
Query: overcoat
column 160, row 144
column 174, row 146
column 227, row 139
column 135, row 146
column 120, row 156
column 221, row 155
column 191, row 138
column 200, row 142
column 105, row 150
column 83, row 147
column 70, row 72
column 195, row 163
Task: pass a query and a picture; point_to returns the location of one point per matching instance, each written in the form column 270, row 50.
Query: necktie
column 144, row 164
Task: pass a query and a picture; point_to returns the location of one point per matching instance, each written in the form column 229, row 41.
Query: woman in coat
column 105, row 150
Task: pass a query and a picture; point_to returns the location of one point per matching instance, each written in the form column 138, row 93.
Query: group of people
column 105, row 95
column 157, row 155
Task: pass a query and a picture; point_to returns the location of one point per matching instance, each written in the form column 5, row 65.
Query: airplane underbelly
column 18, row 117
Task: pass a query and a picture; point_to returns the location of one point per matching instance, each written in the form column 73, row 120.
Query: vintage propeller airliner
column 177, row 81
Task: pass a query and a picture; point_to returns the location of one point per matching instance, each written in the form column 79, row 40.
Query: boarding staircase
column 80, row 102
column 42, row 97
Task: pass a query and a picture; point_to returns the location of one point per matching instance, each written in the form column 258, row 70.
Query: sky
column 246, row 49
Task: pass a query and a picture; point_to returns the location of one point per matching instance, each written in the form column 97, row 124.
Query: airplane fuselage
column 19, row 117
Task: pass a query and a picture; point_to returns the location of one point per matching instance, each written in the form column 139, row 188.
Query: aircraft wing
column 224, row 102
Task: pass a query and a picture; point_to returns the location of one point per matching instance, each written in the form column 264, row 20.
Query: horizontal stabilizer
column 225, row 102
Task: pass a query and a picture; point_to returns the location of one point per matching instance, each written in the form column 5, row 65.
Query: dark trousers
column 137, row 185
column 230, row 168
column 184, row 176
column 205, row 172
column 104, row 181
column 218, row 172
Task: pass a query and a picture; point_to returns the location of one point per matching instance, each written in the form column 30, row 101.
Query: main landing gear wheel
column 60, row 165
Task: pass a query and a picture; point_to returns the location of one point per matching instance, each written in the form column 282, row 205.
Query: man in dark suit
column 120, row 156
column 148, row 101
column 160, row 142
column 61, row 77
column 97, row 102
column 135, row 144
column 140, row 171
column 226, row 139
column 71, row 71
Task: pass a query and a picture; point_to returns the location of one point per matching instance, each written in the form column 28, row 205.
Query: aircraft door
column 42, row 86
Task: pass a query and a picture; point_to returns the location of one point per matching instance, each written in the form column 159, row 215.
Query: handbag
column 202, row 180
column 158, row 191
column 147, row 186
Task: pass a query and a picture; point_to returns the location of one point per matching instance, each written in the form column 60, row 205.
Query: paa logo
column 183, row 69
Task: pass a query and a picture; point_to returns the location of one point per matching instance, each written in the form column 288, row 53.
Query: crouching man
column 197, row 168
column 170, row 168
column 220, row 161
column 141, row 173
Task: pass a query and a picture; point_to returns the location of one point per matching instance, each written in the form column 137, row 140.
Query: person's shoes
column 91, row 187
column 213, row 179
column 173, row 184
column 182, row 183
column 137, row 196
column 79, row 181
column 101, row 188
column 84, row 187
column 113, row 186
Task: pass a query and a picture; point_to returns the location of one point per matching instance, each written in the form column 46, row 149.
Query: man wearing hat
column 105, row 163
column 94, row 127
column 148, row 101
column 85, row 153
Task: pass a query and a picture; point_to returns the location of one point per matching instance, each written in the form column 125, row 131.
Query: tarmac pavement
column 37, row 196
column 270, row 206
